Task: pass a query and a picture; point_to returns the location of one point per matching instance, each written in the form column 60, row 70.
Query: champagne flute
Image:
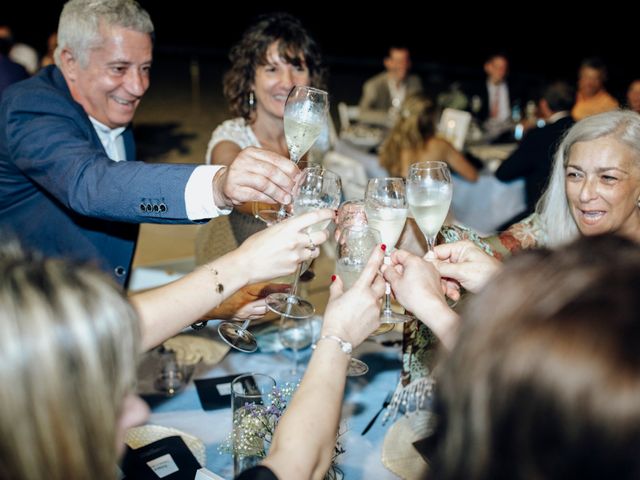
column 316, row 188
column 295, row 333
column 351, row 213
column 355, row 245
column 385, row 203
column 429, row 192
column 305, row 115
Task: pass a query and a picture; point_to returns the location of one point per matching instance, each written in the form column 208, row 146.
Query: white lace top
column 235, row 130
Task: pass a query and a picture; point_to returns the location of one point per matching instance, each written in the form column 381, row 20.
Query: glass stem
column 431, row 243
column 296, row 280
column 291, row 298
column 245, row 325
column 282, row 213
column 295, row 360
column 387, row 285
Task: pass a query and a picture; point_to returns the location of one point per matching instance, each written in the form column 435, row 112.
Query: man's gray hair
column 624, row 126
column 80, row 21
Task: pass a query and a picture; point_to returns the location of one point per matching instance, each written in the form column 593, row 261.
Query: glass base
column 234, row 336
column 389, row 316
column 290, row 306
column 271, row 216
column 357, row 368
column 169, row 382
column 382, row 329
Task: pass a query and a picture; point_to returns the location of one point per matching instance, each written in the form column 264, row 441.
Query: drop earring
column 252, row 99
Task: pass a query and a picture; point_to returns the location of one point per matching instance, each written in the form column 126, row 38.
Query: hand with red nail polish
column 353, row 314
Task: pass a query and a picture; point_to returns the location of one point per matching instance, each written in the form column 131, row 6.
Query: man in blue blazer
column 69, row 185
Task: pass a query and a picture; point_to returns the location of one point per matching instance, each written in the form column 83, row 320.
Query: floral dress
column 419, row 342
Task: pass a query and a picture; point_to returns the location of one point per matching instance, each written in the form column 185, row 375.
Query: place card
column 215, row 393
column 168, row 458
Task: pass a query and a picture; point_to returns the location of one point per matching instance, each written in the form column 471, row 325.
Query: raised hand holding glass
column 385, row 203
column 305, row 115
column 355, row 245
column 429, row 193
column 316, row 188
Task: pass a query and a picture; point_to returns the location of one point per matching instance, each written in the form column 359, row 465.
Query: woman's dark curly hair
column 251, row 51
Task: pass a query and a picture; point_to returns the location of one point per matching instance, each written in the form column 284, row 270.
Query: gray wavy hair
column 624, row 126
column 80, row 21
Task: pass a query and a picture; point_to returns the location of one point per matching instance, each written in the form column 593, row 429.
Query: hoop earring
column 252, row 99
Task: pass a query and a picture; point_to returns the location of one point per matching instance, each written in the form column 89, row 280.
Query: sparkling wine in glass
column 305, row 115
column 429, row 192
column 355, row 245
column 350, row 214
column 316, row 188
column 385, row 203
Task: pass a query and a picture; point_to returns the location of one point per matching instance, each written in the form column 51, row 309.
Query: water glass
column 249, row 400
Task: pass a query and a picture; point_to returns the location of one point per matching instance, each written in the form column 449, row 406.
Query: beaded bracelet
column 346, row 347
column 219, row 288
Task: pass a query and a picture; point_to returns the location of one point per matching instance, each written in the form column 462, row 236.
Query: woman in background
column 413, row 139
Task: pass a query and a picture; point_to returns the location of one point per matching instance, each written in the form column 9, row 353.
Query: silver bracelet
column 346, row 347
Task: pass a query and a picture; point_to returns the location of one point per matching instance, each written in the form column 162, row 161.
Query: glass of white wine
column 429, row 192
column 316, row 188
column 305, row 115
column 355, row 245
column 385, row 204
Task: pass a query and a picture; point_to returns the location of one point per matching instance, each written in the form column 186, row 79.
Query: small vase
column 249, row 397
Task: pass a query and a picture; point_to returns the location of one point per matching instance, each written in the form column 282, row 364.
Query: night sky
column 546, row 40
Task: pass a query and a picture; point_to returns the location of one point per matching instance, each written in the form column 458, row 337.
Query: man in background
column 10, row 71
column 383, row 94
column 592, row 97
column 533, row 158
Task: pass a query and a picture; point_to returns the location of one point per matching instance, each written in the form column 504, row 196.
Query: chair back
column 347, row 114
column 454, row 125
column 352, row 174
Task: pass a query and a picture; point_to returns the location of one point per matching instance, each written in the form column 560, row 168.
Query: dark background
column 448, row 40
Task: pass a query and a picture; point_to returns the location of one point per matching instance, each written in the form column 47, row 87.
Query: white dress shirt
column 198, row 193
column 499, row 93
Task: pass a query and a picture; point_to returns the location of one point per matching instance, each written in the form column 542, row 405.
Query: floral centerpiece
column 254, row 426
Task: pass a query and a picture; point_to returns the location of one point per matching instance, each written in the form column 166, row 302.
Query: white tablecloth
column 363, row 397
column 488, row 203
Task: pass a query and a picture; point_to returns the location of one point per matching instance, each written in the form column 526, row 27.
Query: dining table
column 364, row 397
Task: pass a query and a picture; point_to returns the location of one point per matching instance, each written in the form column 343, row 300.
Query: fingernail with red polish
column 383, row 247
column 333, row 278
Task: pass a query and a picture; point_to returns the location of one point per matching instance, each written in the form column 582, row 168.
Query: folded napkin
column 137, row 437
column 191, row 348
column 398, row 453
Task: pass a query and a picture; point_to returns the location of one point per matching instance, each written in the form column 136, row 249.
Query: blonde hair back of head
column 414, row 127
column 68, row 350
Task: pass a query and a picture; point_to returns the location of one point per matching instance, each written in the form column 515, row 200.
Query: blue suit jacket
column 60, row 193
